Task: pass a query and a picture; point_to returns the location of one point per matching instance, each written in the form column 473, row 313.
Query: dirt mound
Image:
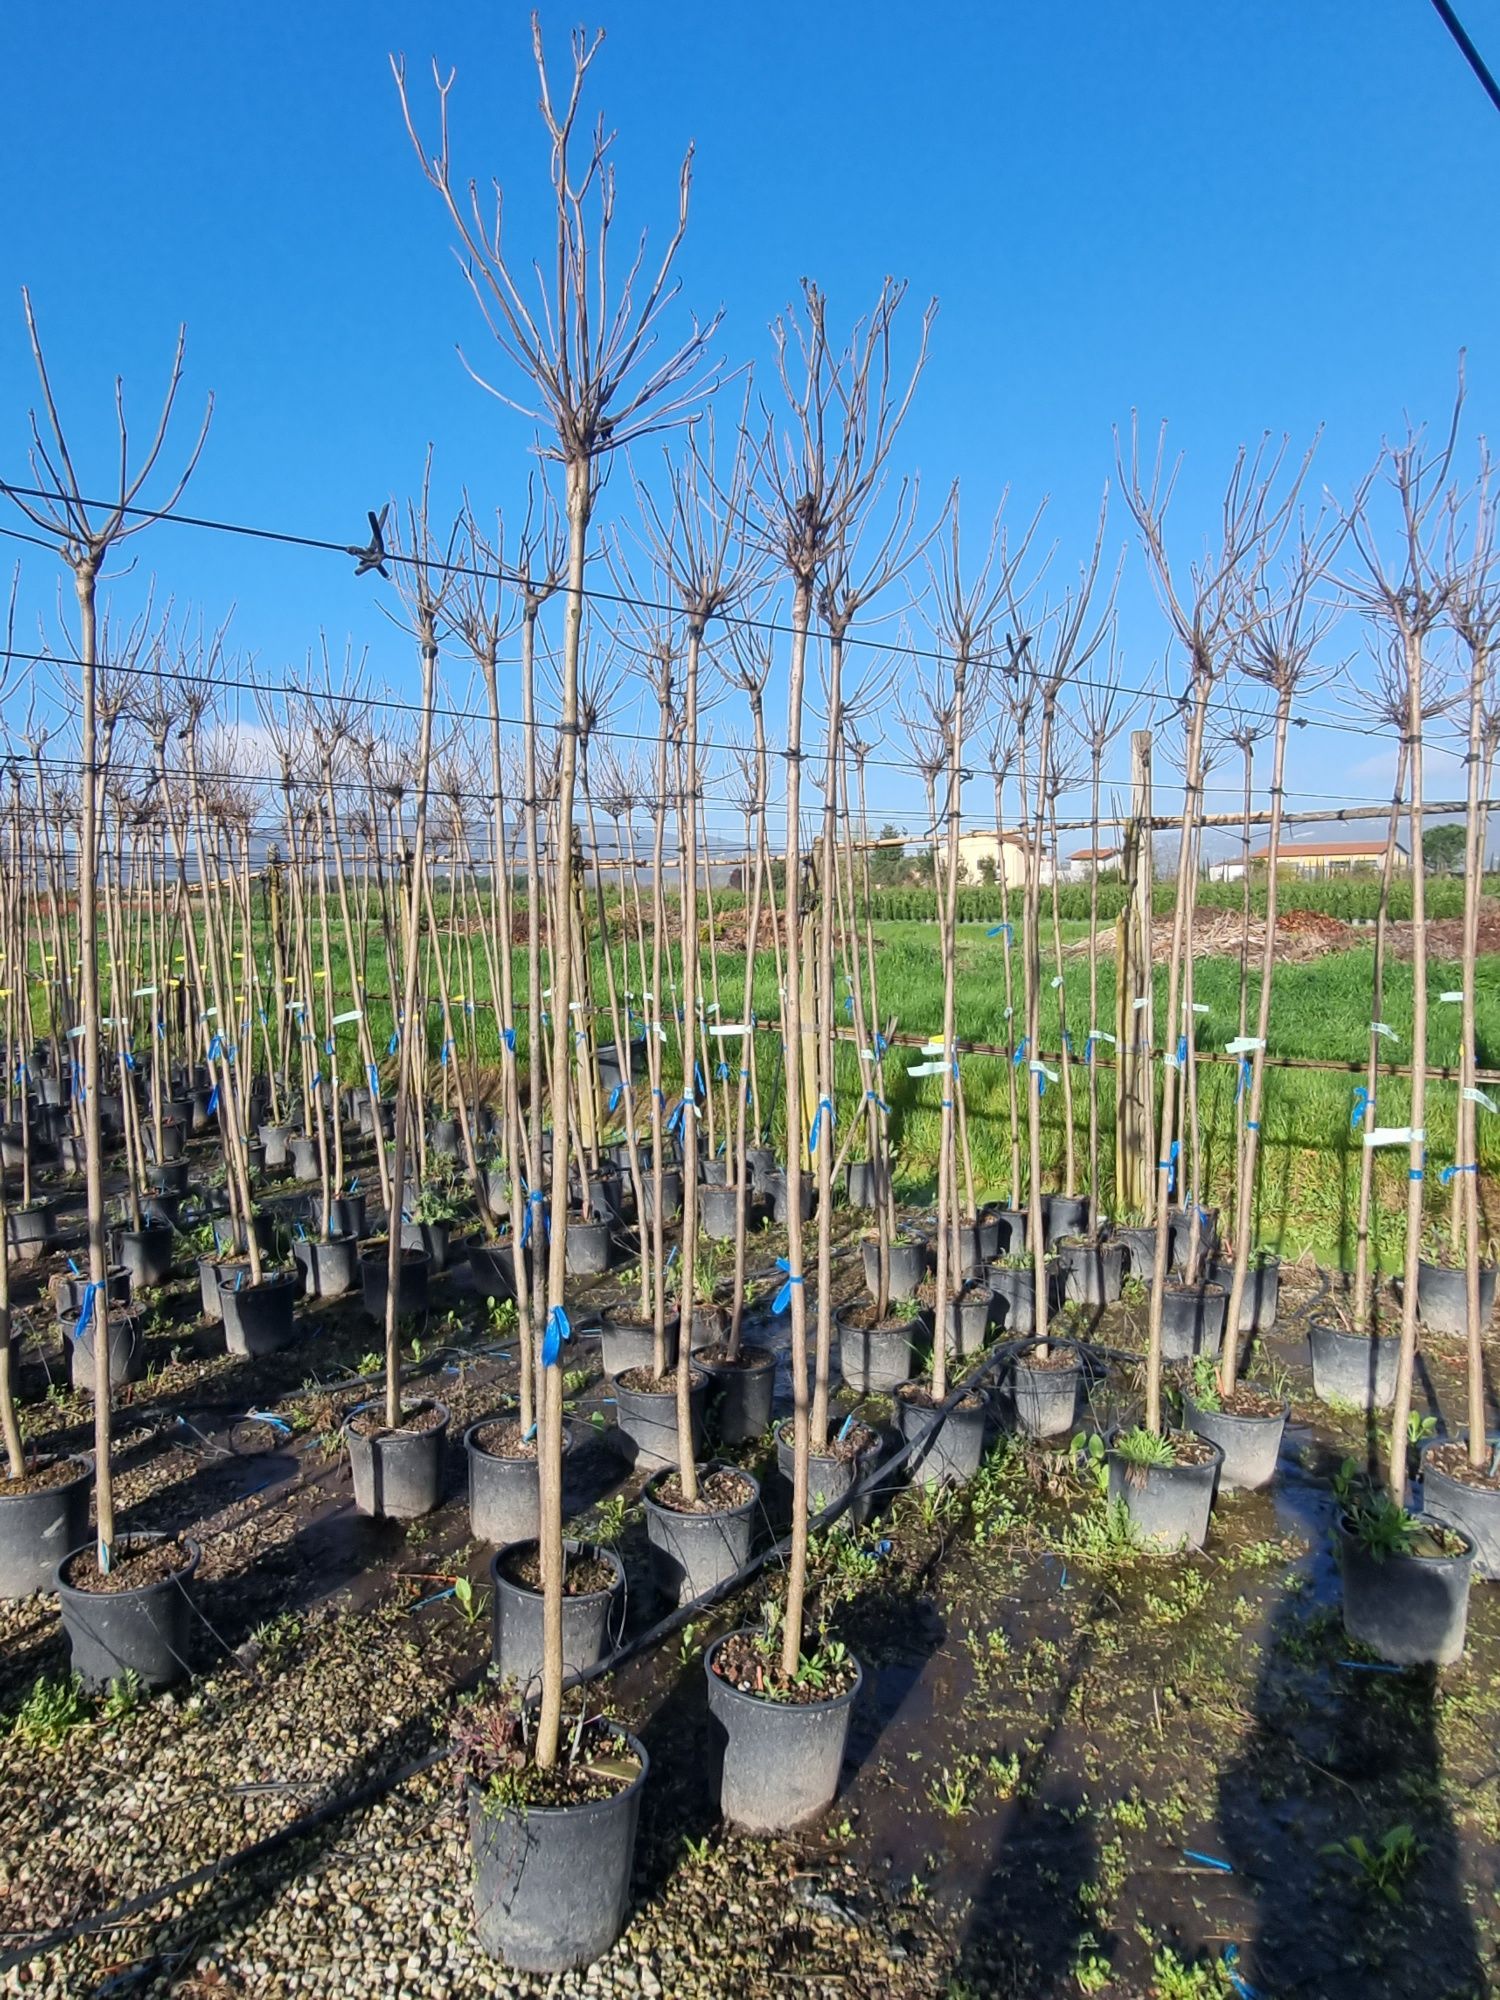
column 1445, row 935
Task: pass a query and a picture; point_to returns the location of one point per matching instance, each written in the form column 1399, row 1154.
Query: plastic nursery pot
column 646, row 1420
column 328, row 1269
column 830, row 1473
column 173, row 1139
column 552, row 1883
column 588, row 1248
column 127, row 1353
column 780, row 1197
column 1063, row 1215
column 1262, row 1294
column 693, row 1553
column 1169, row 1504
column 1443, row 1298
column 592, row 1620
column 229, row 1235
column 346, row 1215
column 739, row 1392
column 1179, row 1233
column 492, row 1266
column 168, row 1177
column 431, row 1238
column 671, row 1195
column 763, row 1165
column 1010, row 1232
column 142, row 1630
column 208, row 1290
column 258, row 1318
column 1046, row 1394
column 626, row 1342
column 869, row 1183
column 1353, row 1368
column 1092, row 1273
column 946, row 1449
column 40, row 1523
column 146, row 1254
column 719, row 1211
column 970, row 1317
column 601, row 1195
column 1015, row 1296
column 442, row 1138
column 31, row 1232
column 779, row 1761
column 907, row 1266
column 1451, row 1495
column 1192, row 1320
column 1412, row 1610
column 987, row 1235
column 1250, row 1441
column 505, row 1503
column 277, row 1140
column 873, row 1360
column 398, row 1475
column 69, row 1288
column 411, row 1285
column 304, row 1156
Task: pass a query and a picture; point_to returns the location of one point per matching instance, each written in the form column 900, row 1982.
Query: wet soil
column 719, row 1492
column 1453, row 1460
column 751, row 1664
column 583, row 1576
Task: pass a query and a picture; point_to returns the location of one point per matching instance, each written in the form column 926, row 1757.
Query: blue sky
column 1238, row 219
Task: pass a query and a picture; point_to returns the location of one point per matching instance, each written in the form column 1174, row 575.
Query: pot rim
column 180, row 1576
column 580, row 1806
column 571, row 1546
column 764, row 1702
column 1349, row 1539
column 407, row 1403
column 84, row 1460
column 707, row 1465
column 496, row 1457
column 1236, row 1416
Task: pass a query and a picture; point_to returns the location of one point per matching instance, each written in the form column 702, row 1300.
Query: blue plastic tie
column 1242, row 1082
column 1172, row 1166
column 824, row 1104
column 615, row 1095
column 1240, row 1984
column 874, row 1097
column 1020, row 1055
column 1181, row 1050
column 375, row 1082
column 393, row 1044
column 559, row 1329
column 86, row 1310
column 784, row 1297
column 1209, row 1861
column 1447, row 1174
column 213, row 1100
column 848, row 1003
column 508, row 1036
column 1362, row 1102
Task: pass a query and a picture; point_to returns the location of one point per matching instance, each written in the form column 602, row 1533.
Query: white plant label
column 926, row 1069
column 1243, row 1045
column 1384, row 1028
column 1452, row 999
column 1041, row 1069
column 1394, row 1135
column 1473, row 1096
column 730, row 1028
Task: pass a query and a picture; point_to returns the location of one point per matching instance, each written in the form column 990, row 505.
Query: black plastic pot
column 411, row 1286
column 505, row 1502
column 740, row 1394
column 763, row 1165
column 168, row 1177
column 599, row 1194
column 869, row 1183
column 328, row 1269
column 1063, row 1215
column 1010, row 1232
column 1015, row 1297
column 1352, row 1368
column 146, row 1254
column 161, row 1208
column 778, row 1761
column 970, row 1317
column 671, row 1195
column 713, row 1173
column 873, row 1360
column 588, row 1248
column 907, row 1266
column 1473, row 1510
column 143, row 1632
column 552, row 1883
column 127, row 1353
column 592, row 1621
column 173, row 1139
column 1443, row 1298
column 229, row 1235
column 946, row 1450
column 1250, row 1445
column 258, row 1318
column 1261, row 1297
column 646, row 1421
column 31, row 1232
column 442, row 1138
column 208, row 1289
column 398, row 1476
column 492, row 1266
column 255, row 1158
column 1411, row 1610
column 1192, row 1321
column 1045, row 1398
column 304, row 1155
column 626, row 1343
column 1092, row 1273
column 432, row 1238
column 277, row 1141
column 777, row 1188
column 719, row 1211
column 68, row 1292
column 829, row 1477
column 1169, row 1504
column 38, row 1529
column 72, row 1155
column 692, row 1554
column 346, row 1215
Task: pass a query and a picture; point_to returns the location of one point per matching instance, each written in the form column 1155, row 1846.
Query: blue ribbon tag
column 86, row 1310
column 213, row 1100
column 1172, row 1172
column 1362, row 1103
column 784, row 1297
column 558, row 1330
column 1020, row 1055
column 615, row 1095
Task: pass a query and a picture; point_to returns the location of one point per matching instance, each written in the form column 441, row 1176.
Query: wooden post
column 1135, row 1120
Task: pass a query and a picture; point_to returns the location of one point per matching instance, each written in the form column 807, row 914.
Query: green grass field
column 1309, row 1167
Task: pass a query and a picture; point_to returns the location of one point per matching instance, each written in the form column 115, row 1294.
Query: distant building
column 1325, row 857
column 1087, row 861
column 1002, row 852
